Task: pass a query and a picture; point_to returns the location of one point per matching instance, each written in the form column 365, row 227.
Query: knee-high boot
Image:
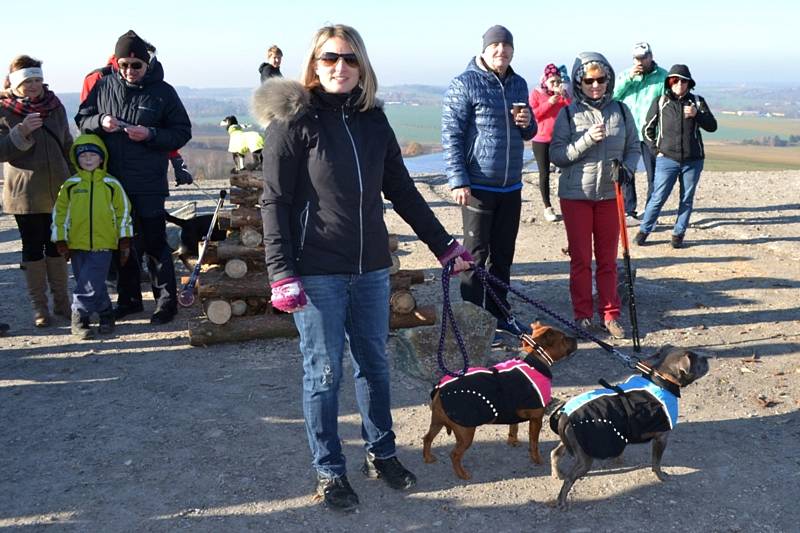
column 58, row 277
column 36, row 279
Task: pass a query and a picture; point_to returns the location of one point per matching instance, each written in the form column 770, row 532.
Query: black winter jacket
column 667, row 132
column 140, row 166
column 326, row 165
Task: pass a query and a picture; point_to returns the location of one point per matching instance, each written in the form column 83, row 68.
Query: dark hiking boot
column 107, row 321
column 336, row 493
column 79, row 327
column 640, row 238
column 390, row 470
column 163, row 315
column 677, row 241
column 124, row 309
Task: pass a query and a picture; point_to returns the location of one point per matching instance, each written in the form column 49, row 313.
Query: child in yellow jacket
column 91, row 218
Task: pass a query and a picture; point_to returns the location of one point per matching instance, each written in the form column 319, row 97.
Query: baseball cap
column 641, row 49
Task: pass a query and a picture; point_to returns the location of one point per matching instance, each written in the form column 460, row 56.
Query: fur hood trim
column 279, row 99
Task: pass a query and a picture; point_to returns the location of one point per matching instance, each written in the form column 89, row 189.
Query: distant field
column 742, row 157
column 422, row 124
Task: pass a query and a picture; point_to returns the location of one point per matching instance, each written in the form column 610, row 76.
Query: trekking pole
column 616, row 173
column 186, row 295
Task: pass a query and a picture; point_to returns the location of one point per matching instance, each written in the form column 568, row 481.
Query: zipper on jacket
column 91, row 209
column 303, row 229
column 360, row 197
column 508, row 127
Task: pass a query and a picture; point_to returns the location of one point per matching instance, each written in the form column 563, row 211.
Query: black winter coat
column 326, row 168
column 140, row 166
column 667, row 132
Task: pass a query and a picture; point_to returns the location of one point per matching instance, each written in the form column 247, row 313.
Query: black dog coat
column 492, row 395
column 606, row 420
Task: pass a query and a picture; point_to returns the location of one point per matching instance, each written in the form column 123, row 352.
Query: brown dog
column 600, row 423
column 508, row 393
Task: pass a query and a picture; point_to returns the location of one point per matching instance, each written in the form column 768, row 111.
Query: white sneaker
column 631, row 221
column 550, row 215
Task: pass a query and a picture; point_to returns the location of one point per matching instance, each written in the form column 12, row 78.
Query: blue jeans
column 90, row 270
column 668, row 171
column 353, row 308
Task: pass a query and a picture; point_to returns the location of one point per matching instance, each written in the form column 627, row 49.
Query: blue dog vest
column 605, row 420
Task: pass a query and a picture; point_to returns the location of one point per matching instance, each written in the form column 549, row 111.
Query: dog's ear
column 538, row 328
column 661, row 354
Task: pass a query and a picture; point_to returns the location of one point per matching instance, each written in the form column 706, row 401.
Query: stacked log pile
column 233, row 287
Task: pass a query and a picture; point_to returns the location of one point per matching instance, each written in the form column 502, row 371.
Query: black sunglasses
column 600, row 81
column 329, row 59
column 135, row 65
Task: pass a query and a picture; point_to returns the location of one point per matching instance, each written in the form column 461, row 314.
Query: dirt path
column 143, row 433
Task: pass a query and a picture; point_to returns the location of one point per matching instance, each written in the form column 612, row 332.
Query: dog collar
column 538, row 349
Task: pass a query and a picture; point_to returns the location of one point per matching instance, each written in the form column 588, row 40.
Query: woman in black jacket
column 329, row 157
column 672, row 130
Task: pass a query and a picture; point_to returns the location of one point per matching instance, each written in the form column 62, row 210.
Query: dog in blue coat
column 599, row 424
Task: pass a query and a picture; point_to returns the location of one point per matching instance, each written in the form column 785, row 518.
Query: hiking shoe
column 584, row 323
column 497, row 340
column 640, row 238
column 631, row 221
column 79, row 327
column 677, row 241
column 107, row 321
column 615, row 329
column 163, row 315
column 336, row 493
column 550, row 214
column 390, row 470
column 512, row 326
column 123, row 310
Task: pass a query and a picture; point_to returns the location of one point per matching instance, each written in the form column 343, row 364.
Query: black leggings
column 541, row 152
column 34, row 230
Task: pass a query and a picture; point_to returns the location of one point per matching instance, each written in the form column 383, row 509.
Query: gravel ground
column 141, row 432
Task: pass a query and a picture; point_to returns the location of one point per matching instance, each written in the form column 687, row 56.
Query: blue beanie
column 89, row 147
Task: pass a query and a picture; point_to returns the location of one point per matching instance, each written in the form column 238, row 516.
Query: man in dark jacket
column 483, row 143
column 141, row 119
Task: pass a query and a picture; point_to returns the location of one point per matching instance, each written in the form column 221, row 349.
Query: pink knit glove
column 456, row 250
column 288, row 295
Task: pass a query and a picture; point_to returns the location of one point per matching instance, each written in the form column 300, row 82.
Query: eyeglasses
column 135, row 65
column 675, row 81
column 590, row 81
column 329, row 59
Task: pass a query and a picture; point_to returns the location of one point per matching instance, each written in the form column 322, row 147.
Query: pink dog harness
column 493, row 395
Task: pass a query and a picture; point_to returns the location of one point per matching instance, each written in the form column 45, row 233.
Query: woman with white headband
column 34, row 149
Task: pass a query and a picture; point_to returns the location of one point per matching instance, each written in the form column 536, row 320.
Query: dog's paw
column 429, row 459
column 536, row 458
column 513, row 441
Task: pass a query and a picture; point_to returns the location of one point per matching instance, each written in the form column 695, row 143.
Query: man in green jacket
column 637, row 87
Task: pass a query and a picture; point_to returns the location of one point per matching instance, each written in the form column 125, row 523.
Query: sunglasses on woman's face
column 134, row 65
column 329, row 59
column 675, row 81
column 590, row 81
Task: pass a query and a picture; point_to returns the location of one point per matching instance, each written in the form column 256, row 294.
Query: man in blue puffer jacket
column 483, row 143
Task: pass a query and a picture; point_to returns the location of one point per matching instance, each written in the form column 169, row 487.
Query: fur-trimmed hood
column 279, row 99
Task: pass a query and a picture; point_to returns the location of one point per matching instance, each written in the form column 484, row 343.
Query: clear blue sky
column 218, row 43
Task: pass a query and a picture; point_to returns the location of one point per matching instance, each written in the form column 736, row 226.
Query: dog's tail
column 175, row 220
column 553, row 409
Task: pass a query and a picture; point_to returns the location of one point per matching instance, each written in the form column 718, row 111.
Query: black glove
column 182, row 174
column 625, row 175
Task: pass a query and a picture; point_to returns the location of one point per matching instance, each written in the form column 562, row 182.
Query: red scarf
column 44, row 105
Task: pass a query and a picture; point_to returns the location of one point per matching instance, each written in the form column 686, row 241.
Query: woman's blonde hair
column 366, row 76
